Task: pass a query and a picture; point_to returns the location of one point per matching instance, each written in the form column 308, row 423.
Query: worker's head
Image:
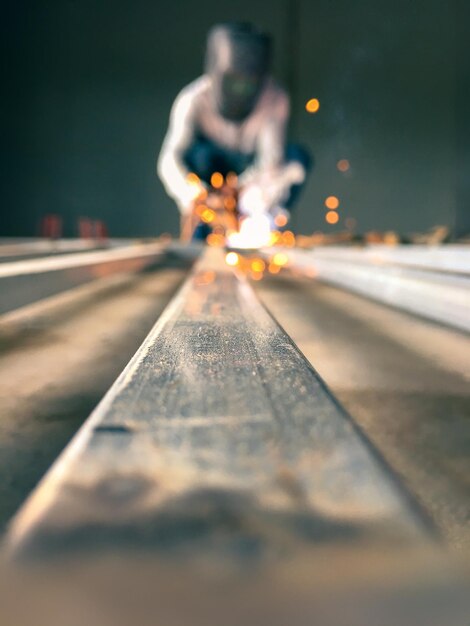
column 238, row 59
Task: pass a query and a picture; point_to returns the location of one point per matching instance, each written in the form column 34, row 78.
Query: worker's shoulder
column 275, row 90
column 275, row 96
column 194, row 92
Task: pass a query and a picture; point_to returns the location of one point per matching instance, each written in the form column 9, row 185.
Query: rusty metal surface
column 218, row 439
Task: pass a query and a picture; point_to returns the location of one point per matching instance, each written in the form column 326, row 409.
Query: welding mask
column 237, row 61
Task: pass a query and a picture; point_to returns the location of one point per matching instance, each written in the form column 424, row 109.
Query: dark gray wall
column 462, row 118
column 88, row 86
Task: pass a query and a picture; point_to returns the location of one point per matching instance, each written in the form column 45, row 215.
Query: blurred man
column 232, row 120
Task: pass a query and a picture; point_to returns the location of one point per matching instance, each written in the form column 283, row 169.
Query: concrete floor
column 406, row 382
column 58, row 358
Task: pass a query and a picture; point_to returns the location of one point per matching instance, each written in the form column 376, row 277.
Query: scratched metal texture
column 219, row 439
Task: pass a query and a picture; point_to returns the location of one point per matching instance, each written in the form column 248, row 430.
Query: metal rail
column 13, row 250
column 431, row 282
column 219, row 439
column 452, row 258
column 218, row 481
column 24, row 282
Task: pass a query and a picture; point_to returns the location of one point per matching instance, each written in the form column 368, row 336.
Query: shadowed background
column 88, row 86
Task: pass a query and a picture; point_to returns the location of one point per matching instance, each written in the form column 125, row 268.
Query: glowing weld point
column 232, row 258
column 255, row 232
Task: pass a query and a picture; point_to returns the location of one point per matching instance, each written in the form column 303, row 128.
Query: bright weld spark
column 232, row 259
column 280, row 259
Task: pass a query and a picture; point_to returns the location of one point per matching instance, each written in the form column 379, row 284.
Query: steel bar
column 24, row 282
column 452, row 258
column 218, row 439
column 13, row 250
column 433, row 283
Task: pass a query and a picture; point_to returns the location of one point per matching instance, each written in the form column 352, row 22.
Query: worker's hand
column 252, row 200
column 195, row 191
column 270, row 188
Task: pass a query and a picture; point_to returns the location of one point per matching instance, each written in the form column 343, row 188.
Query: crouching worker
column 225, row 151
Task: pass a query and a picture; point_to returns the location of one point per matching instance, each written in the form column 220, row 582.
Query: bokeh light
column 343, row 165
column 230, row 203
column 280, row 259
column 280, row 220
column 215, row 239
column 274, row 237
column 332, row 217
column 312, row 105
column 232, row 180
column 288, row 238
column 332, row 202
column 217, row 180
column 258, row 265
column 207, row 215
column 193, row 179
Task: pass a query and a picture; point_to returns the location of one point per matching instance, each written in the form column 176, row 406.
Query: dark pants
column 205, row 157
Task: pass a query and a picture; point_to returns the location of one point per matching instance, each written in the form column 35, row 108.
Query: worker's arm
column 266, row 185
column 170, row 165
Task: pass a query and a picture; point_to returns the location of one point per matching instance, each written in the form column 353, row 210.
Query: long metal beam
column 219, row 481
column 218, row 438
column 431, row 282
column 17, row 250
column 24, row 282
column 451, row 258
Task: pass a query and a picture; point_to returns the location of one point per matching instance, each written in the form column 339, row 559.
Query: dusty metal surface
column 218, row 440
column 24, row 282
column 58, row 357
column 404, row 380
